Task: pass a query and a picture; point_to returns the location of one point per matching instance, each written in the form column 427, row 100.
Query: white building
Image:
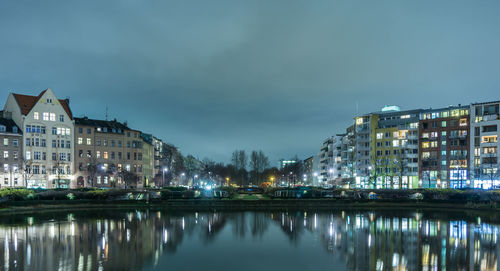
column 47, row 145
column 484, row 164
column 330, row 159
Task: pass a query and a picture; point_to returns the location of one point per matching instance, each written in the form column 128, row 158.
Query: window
column 443, row 134
column 490, row 150
column 44, row 142
column 49, row 101
column 98, row 142
column 5, row 154
column 36, row 155
column 52, row 117
column 69, row 157
column 89, row 153
column 463, row 122
column 44, row 170
column 6, row 142
column 425, row 145
column 128, row 155
column 61, row 118
column 54, row 156
column 45, row 116
column 443, row 143
column 14, row 153
column 119, row 155
column 395, row 143
column 426, row 154
column 28, row 155
column 105, row 155
column 119, row 143
column 98, row 154
column 68, row 144
column 80, row 141
column 15, row 142
column 489, row 128
column 135, row 156
column 54, row 144
column 489, row 139
column 62, row 156
column 128, row 144
column 36, row 116
column 28, row 142
column 89, row 131
column 89, row 141
column 105, row 142
column 44, row 156
column 434, row 144
column 80, row 130
column 140, row 156
column 112, row 155
column 112, row 143
column 36, row 169
column 443, row 123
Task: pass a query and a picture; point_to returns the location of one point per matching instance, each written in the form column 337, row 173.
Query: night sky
column 281, row 76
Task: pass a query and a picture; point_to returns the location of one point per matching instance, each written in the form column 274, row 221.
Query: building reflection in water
column 133, row 239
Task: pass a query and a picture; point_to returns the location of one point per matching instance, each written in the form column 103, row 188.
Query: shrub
column 15, row 193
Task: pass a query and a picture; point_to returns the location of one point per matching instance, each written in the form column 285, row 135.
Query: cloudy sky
column 277, row 75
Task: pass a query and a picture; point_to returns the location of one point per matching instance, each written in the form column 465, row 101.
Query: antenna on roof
column 106, row 113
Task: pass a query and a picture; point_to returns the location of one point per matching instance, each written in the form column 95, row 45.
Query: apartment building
column 394, row 153
column 362, row 144
column 484, row 146
column 47, row 141
column 444, row 147
column 108, row 154
column 11, row 139
column 330, row 158
column 347, row 153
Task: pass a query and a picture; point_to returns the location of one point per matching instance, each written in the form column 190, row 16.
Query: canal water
column 293, row 240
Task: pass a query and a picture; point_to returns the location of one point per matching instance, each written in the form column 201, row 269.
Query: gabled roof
column 27, row 102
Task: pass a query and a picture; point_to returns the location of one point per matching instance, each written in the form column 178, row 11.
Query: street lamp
column 163, row 174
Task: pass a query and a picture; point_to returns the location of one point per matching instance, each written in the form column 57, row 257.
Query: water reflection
column 115, row 240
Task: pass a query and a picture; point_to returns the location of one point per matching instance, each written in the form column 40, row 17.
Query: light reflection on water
column 156, row 240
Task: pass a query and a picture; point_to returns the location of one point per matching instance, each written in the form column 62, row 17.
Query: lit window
column 98, row 154
column 443, row 123
column 36, row 116
column 489, row 139
column 45, row 116
column 6, row 142
column 28, row 155
column 359, row 121
column 463, row 122
column 105, row 155
column 80, row 141
column 395, row 143
column 52, row 117
column 426, row 154
column 89, row 141
column 5, row 154
column 425, row 145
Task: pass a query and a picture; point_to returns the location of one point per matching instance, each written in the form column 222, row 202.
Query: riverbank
column 21, row 207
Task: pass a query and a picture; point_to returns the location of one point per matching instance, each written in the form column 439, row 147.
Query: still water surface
column 298, row 240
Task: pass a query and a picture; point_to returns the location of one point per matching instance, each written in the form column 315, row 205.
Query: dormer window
column 2, row 128
column 98, row 129
column 105, row 129
column 49, row 101
column 14, row 129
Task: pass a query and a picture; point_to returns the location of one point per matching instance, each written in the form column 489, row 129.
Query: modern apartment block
column 395, row 148
column 11, row 139
column 330, row 158
column 362, row 144
column 108, row 154
column 347, row 150
column 484, row 146
column 444, row 147
column 47, row 142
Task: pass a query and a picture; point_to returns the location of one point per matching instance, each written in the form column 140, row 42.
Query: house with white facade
column 47, row 141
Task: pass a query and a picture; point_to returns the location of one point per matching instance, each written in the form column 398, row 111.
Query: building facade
column 108, row 154
column 47, row 144
column 484, row 146
column 11, row 139
column 444, row 147
column 395, row 149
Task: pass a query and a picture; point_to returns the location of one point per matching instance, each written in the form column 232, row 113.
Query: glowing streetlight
column 163, row 174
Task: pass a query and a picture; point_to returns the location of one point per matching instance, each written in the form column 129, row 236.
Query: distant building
column 283, row 163
column 48, row 149
column 108, row 154
column 484, row 146
column 11, row 139
column 444, row 147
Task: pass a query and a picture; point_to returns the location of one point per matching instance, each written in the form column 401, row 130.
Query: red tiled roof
column 26, row 103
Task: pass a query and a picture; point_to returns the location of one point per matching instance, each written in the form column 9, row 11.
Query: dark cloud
column 214, row 76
